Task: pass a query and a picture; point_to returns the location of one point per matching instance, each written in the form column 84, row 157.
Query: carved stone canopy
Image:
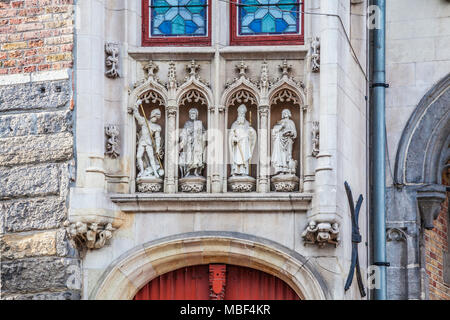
column 429, row 199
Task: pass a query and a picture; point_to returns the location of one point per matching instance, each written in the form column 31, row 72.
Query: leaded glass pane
column 269, row 17
column 178, row 17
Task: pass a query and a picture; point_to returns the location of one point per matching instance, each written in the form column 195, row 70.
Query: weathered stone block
column 29, row 181
column 36, row 149
column 18, row 246
column 17, row 125
column 33, row 214
column 40, row 274
column 30, row 96
column 66, row 295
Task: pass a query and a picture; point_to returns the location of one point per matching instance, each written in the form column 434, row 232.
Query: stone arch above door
column 135, row 268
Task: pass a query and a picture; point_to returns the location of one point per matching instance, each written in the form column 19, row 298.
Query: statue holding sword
column 149, row 144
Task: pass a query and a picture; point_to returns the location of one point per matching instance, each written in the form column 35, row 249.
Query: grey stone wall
column 36, row 160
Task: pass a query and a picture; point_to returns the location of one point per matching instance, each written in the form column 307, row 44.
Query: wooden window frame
column 178, row 41
column 256, row 40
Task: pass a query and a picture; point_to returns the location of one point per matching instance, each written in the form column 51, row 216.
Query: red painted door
column 216, row 282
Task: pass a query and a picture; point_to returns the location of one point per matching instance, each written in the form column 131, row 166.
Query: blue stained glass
column 269, row 17
column 178, row 17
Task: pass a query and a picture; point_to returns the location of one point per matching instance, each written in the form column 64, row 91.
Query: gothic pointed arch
column 424, row 146
column 240, row 90
column 150, row 88
column 196, row 90
column 286, row 89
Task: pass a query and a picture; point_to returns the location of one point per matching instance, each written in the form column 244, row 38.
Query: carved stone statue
column 150, row 151
column 192, row 146
column 192, row 157
column 322, row 233
column 241, row 142
column 283, row 135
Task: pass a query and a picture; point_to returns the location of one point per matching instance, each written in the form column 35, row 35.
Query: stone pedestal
column 149, row 184
column 285, row 183
column 242, row 183
column 192, row 184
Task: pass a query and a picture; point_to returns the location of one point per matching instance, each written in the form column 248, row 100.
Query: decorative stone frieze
column 85, row 236
column 243, row 183
column 112, row 60
column 315, row 55
column 112, row 141
column 315, row 138
column 285, row 183
column 149, row 184
column 321, row 233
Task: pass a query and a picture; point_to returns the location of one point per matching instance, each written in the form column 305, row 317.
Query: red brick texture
column 36, row 35
column 435, row 245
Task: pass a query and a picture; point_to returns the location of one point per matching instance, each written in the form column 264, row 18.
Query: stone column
column 325, row 208
column 171, row 150
column 264, row 158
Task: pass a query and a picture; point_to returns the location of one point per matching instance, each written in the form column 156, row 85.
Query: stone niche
column 246, row 98
column 283, row 100
column 151, row 101
column 193, row 99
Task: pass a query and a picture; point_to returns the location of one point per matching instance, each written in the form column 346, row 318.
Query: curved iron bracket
column 356, row 239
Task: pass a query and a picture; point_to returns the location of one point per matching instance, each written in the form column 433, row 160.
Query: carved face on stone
column 242, row 110
column 286, row 114
column 193, row 114
column 155, row 115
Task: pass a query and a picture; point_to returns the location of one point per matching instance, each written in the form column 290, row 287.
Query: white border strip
column 12, row 79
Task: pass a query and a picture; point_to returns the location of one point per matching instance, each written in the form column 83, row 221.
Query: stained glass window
column 178, row 17
column 268, row 17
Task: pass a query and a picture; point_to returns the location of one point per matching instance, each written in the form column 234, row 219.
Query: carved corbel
column 112, row 60
column 112, row 141
column 88, row 236
column 429, row 199
column 321, row 233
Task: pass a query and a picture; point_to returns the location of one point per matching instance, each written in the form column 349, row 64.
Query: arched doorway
column 135, row 268
column 216, row 282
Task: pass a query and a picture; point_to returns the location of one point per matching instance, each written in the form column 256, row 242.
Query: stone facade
column 69, row 189
column 36, row 150
column 417, row 123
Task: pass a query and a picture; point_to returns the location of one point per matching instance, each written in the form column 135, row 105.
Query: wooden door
column 216, row 282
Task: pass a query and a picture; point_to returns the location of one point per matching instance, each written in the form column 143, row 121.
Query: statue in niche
column 242, row 140
column 150, row 150
column 284, row 134
column 192, row 146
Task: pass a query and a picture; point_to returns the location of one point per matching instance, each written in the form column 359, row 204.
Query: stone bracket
column 429, row 200
column 321, row 233
column 85, row 236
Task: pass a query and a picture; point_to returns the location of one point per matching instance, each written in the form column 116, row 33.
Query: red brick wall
column 35, row 35
column 435, row 246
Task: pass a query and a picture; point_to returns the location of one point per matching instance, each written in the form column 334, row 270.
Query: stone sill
column 213, row 202
column 175, row 53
